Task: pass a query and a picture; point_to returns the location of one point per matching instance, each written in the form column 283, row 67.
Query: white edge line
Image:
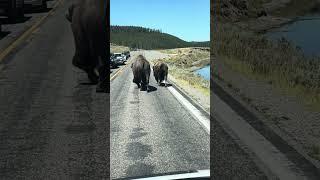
column 203, row 120
column 198, row 174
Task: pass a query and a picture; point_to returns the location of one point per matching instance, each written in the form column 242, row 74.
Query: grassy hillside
column 145, row 38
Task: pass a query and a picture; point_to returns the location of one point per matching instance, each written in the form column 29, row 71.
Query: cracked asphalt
column 52, row 123
column 152, row 133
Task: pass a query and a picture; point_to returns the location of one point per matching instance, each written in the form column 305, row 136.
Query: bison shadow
column 163, row 85
column 151, row 89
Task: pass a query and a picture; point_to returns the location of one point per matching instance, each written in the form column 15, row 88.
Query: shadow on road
column 163, row 85
column 151, row 89
column 5, row 20
column 35, row 10
column 87, row 83
column 4, row 34
column 80, row 128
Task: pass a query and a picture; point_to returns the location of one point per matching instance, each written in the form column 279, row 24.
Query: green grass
column 145, row 38
column 280, row 62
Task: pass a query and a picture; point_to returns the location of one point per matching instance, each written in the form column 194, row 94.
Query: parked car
column 40, row 4
column 13, row 9
column 113, row 63
column 124, row 57
column 127, row 54
column 119, row 58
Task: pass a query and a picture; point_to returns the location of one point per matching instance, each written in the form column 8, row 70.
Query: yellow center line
column 26, row 34
column 119, row 71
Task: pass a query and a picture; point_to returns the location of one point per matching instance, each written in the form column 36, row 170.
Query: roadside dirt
column 261, row 15
column 200, row 97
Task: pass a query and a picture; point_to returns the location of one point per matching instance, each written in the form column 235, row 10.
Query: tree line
column 147, row 38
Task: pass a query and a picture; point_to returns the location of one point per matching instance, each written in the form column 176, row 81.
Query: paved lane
column 152, row 132
column 52, row 125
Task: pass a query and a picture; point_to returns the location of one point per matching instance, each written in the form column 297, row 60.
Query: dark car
column 127, row 54
column 113, row 63
column 13, row 9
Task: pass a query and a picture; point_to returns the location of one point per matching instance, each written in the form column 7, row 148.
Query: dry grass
column 279, row 63
column 118, row 49
column 183, row 61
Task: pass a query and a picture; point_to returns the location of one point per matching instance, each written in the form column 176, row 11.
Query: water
column 204, row 72
column 304, row 33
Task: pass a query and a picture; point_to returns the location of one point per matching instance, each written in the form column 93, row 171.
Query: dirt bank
column 182, row 63
column 262, row 15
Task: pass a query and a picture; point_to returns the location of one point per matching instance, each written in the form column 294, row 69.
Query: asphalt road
column 52, row 124
column 152, row 133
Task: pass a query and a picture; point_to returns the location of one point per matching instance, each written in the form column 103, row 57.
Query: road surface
column 151, row 132
column 52, row 125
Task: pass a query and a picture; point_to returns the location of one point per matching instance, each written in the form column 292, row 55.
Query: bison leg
column 104, row 81
column 135, row 80
column 165, row 81
column 93, row 77
column 77, row 59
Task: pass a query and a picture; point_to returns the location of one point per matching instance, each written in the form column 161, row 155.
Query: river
column 304, row 33
column 204, row 72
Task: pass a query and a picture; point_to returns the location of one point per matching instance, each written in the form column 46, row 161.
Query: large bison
column 160, row 72
column 89, row 22
column 141, row 72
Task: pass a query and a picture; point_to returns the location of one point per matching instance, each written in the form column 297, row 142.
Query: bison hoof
column 93, row 78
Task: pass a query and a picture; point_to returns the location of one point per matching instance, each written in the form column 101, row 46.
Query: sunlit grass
column 279, row 63
column 183, row 61
column 118, row 49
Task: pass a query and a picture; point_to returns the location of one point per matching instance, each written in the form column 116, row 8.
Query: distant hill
column 145, row 38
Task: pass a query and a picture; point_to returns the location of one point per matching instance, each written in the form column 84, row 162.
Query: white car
column 42, row 4
column 119, row 58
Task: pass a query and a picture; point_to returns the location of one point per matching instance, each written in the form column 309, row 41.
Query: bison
column 89, row 24
column 141, row 72
column 160, row 72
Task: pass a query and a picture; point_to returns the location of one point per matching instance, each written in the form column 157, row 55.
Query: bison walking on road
column 89, row 21
column 141, row 72
column 160, row 72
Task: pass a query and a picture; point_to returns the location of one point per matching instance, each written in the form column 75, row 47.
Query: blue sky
column 186, row 19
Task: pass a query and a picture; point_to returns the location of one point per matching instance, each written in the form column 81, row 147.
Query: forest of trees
column 146, row 38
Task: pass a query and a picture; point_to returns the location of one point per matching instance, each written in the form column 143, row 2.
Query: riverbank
column 183, row 62
column 260, row 16
column 278, row 63
column 274, row 77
